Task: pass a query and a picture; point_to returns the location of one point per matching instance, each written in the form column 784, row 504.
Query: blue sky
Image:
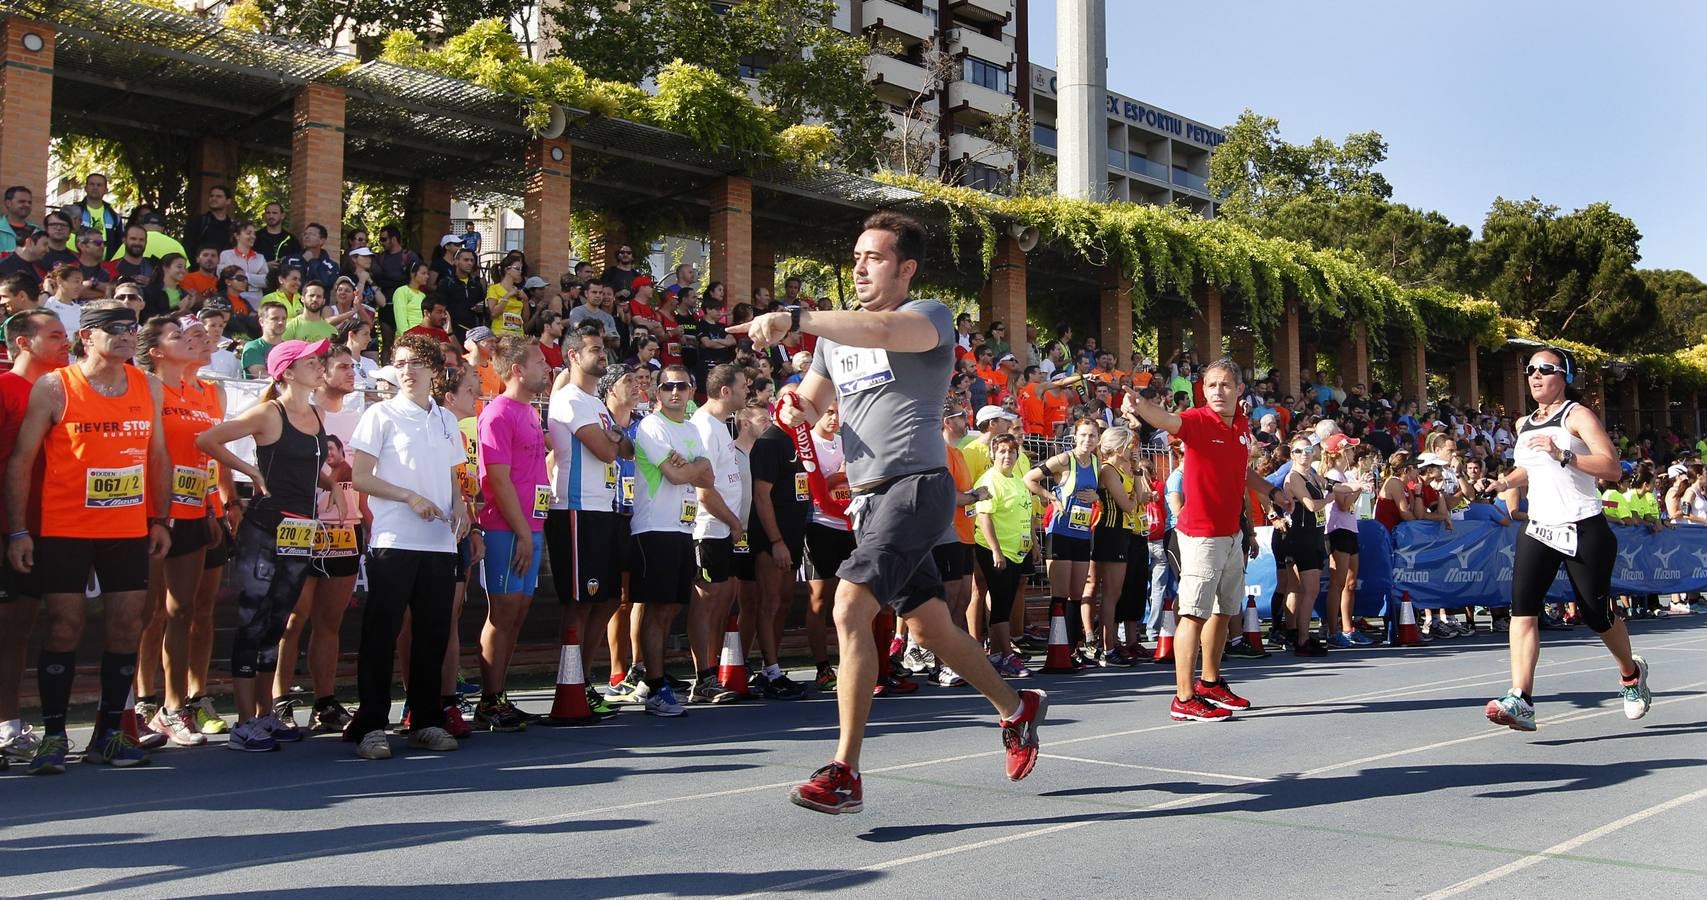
column 1570, row 101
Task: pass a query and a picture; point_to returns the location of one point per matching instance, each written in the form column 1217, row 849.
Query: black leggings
column 1135, row 593
column 268, row 586
column 1003, row 584
column 1590, row 572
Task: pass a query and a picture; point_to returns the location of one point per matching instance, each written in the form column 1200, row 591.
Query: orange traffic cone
column 569, row 706
column 1059, row 661
column 882, row 629
column 127, row 718
column 732, row 665
column 1406, row 635
column 1165, row 636
column 1253, row 623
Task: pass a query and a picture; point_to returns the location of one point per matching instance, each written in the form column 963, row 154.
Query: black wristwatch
column 1565, row 459
column 793, row 320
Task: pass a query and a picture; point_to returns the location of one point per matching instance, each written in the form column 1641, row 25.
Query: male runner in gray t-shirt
column 888, row 365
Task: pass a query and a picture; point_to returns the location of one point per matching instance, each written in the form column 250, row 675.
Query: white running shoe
column 1637, row 697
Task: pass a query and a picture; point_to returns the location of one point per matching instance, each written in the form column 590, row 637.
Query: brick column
column 1630, row 403
column 1114, row 313
column 1514, row 388
column 1307, row 351
column 732, row 236
column 317, row 159
column 429, row 209
column 1354, row 356
column 602, row 247
column 213, row 160
column 1467, row 376
column 1413, row 370
column 1285, row 351
column 1170, row 338
column 545, row 207
column 1242, row 346
column 26, row 103
column 764, row 269
column 1003, row 295
column 1206, row 324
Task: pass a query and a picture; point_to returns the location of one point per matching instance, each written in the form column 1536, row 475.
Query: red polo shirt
column 1216, row 458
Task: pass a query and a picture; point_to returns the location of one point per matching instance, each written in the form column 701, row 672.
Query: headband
column 100, row 318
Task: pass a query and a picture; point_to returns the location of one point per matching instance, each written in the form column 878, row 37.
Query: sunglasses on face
column 672, row 386
column 118, row 328
column 1544, row 369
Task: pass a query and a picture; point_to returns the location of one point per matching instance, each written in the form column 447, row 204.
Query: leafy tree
column 1256, row 172
column 326, row 22
column 1681, row 300
column 1574, row 274
column 1414, row 248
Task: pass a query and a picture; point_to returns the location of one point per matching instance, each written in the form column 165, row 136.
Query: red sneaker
column 455, row 725
column 1019, row 734
column 832, row 789
column 1220, row 695
column 1196, row 710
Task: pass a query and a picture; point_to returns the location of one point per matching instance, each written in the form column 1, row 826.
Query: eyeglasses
column 117, row 328
column 412, row 364
column 1544, row 369
column 1300, row 451
column 671, row 386
column 127, row 297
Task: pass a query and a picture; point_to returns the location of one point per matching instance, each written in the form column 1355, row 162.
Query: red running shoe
column 1196, row 710
column 1019, row 734
column 455, row 724
column 1220, row 695
column 832, row 789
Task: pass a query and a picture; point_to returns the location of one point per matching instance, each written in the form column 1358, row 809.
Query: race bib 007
column 855, row 369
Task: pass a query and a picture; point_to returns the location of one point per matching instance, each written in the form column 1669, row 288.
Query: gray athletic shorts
column 896, row 526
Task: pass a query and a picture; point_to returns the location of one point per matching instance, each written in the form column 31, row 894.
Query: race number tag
column 112, row 488
column 970, row 510
column 627, row 490
column 690, row 511
column 741, row 546
column 189, row 485
column 1562, row 538
column 541, row 500
column 295, row 537
column 802, row 487
column 1025, row 545
column 1079, row 518
column 856, row 369
column 512, row 322
column 335, row 542
column 610, row 476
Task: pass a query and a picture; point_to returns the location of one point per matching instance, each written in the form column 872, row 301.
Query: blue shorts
column 499, row 577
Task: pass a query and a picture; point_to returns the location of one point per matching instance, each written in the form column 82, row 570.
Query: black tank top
column 291, row 466
column 1305, row 527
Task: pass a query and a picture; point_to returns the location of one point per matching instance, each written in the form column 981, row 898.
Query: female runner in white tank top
column 1561, row 449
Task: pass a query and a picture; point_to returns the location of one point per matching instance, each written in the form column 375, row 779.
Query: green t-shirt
column 255, row 354
column 301, row 329
column 1009, row 508
column 1642, row 504
column 1181, row 385
column 406, row 307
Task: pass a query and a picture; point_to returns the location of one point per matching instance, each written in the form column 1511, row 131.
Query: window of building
column 512, row 239
column 986, row 74
column 984, row 178
column 1044, row 135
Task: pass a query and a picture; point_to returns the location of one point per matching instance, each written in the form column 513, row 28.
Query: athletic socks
column 773, row 672
column 54, row 672
column 118, row 672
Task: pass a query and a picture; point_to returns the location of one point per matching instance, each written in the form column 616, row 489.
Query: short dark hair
column 17, row 189
column 720, row 377
column 909, row 234
column 423, row 347
column 18, row 283
column 222, row 188
column 317, row 228
column 26, row 323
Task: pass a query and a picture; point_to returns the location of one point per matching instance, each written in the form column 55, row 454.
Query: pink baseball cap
column 281, row 357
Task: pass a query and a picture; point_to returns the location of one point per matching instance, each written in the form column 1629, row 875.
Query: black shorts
column 188, row 536
column 341, row 566
column 63, row 565
column 741, row 561
column 15, row 584
column 586, row 551
column 219, row 552
column 714, row 558
column 464, row 559
column 1069, row 549
column 663, row 567
column 953, row 560
column 1110, row 545
column 1342, row 541
column 1135, row 588
column 896, row 526
column 793, row 537
column 1280, row 547
column 826, row 549
column 1306, row 551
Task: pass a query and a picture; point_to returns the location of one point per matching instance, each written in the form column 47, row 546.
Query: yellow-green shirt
column 511, row 317
column 1009, row 509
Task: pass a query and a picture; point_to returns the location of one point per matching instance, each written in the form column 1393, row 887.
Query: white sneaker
column 21, row 747
column 947, row 677
column 662, row 702
column 177, row 728
column 375, row 746
column 1637, row 697
column 432, row 738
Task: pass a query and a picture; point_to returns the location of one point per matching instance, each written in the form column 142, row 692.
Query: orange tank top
column 964, row 516
column 94, row 483
column 186, row 412
column 215, row 503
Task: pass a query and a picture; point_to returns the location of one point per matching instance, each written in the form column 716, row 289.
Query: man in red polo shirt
column 1212, row 537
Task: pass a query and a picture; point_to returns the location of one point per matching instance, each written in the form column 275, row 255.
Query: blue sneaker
column 1339, row 640
column 1637, row 698
column 115, row 748
column 1360, row 639
column 251, row 737
column 1512, row 711
column 49, row 758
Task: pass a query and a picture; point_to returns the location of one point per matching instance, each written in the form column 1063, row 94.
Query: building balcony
column 1146, row 167
column 1191, row 181
column 976, row 149
column 964, row 95
column 903, row 77
column 971, row 43
column 982, row 10
column 910, row 26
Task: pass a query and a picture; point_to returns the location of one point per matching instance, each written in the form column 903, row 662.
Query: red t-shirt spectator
column 553, row 355
column 1216, row 458
column 437, row 334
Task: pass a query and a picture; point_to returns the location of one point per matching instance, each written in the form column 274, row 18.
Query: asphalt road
column 1368, row 773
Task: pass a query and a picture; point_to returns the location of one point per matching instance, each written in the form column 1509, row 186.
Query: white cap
column 358, row 251
column 1429, row 459
column 987, row 413
column 450, row 239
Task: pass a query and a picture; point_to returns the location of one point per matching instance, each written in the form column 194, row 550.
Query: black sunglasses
column 1544, row 368
column 675, row 386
